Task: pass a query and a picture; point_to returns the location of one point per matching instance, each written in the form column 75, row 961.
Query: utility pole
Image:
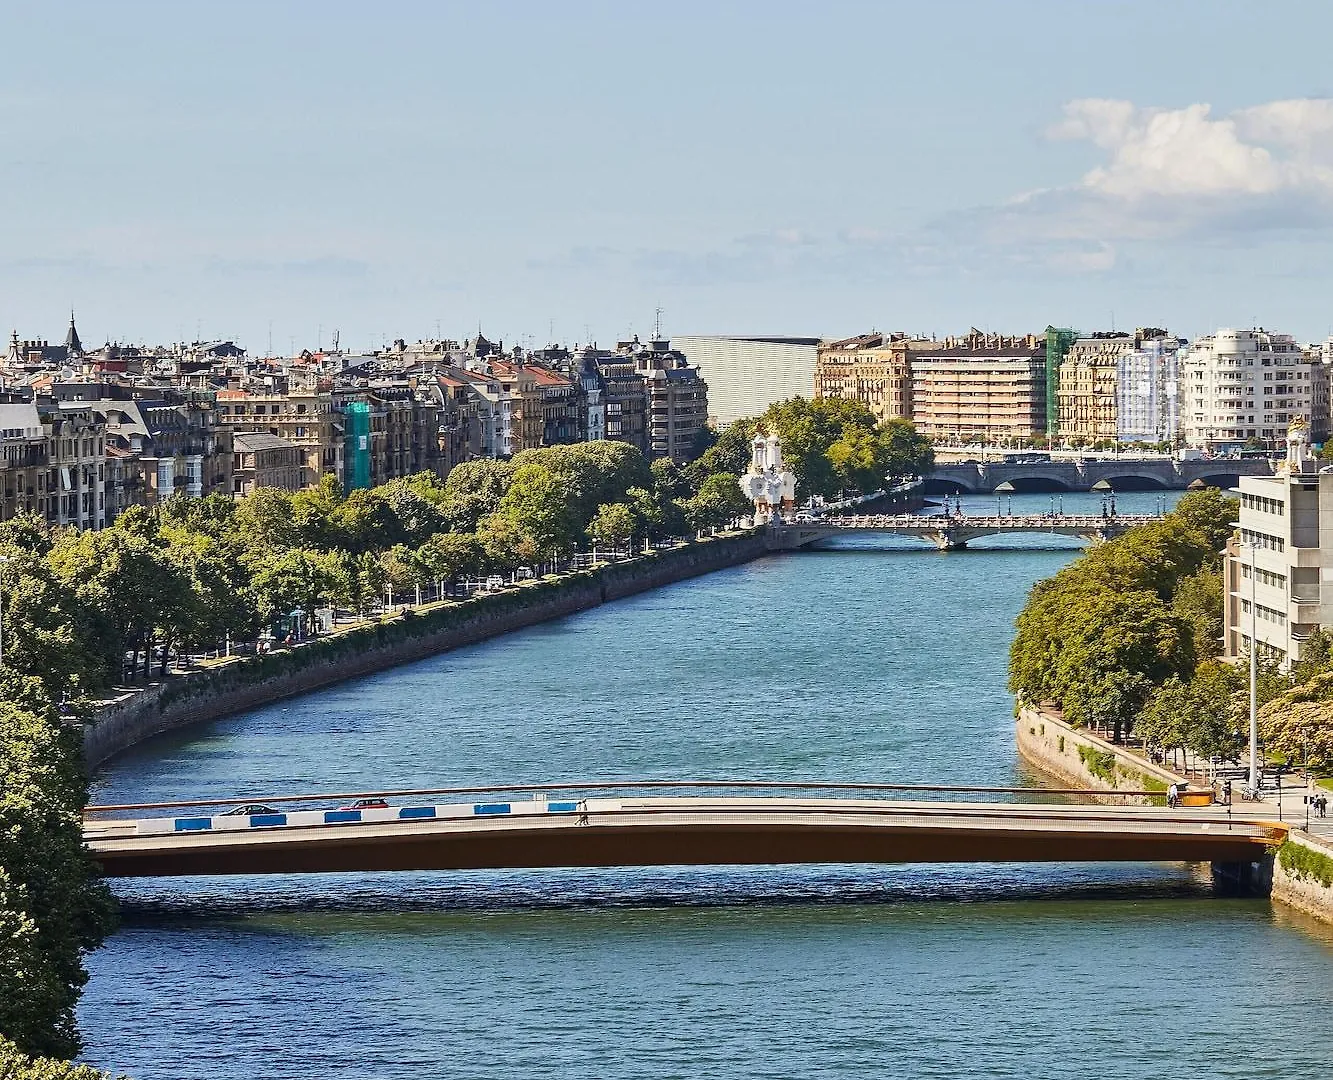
column 1254, row 674
column 3, row 559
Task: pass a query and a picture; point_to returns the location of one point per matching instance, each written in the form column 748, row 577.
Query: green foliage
column 613, row 525
column 16, row 1065
column 1101, row 763
column 1304, row 862
column 828, row 443
column 52, row 908
column 1107, row 631
column 1298, row 724
column 1198, row 713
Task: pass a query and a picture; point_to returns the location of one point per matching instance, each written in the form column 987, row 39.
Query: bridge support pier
column 1243, row 878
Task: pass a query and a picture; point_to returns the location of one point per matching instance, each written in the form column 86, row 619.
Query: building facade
column 984, row 387
column 874, row 369
column 1086, row 395
column 1148, row 392
column 745, row 375
column 1243, row 385
column 1272, row 581
column 265, row 461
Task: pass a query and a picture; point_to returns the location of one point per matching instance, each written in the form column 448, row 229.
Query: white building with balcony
column 1275, row 572
column 1239, row 385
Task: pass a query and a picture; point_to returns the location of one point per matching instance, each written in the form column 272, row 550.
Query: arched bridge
column 949, row 532
column 546, row 830
column 981, row 477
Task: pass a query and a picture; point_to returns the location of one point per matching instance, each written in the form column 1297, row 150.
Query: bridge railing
column 1029, row 794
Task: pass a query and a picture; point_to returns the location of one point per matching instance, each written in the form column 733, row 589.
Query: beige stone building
column 874, row 369
column 1086, row 398
column 984, row 387
column 265, row 461
column 306, row 419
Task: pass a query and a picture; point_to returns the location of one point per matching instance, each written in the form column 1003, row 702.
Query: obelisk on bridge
column 770, row 484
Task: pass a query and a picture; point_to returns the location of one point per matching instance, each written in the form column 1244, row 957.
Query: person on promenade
column 1172, row 796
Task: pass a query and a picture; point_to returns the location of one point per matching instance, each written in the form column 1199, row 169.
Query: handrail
column 621, row 785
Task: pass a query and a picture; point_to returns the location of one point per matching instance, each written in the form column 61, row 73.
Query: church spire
column 73, row 346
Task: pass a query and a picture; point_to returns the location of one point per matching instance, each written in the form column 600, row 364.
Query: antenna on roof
column 657, row 326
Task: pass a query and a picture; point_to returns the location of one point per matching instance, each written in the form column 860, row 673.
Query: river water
column 880, row 660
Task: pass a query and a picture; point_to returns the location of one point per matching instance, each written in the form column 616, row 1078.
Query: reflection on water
column 878, row 661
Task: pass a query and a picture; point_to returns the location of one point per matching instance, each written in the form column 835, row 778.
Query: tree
column 52, row 907
column 298, row 579
column 719, row 501
column 1298, row 724
column 612, row 525
column 451, row 556
column 537, row 505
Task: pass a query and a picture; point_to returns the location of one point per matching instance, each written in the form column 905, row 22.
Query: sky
column 274, row 171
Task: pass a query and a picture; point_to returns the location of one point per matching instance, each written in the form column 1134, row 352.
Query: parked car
column 495, row 582
column 366, row 804
column 249, row 809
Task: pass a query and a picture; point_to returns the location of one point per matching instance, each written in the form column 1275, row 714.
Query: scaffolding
column 1059, row 340
column 356, row 455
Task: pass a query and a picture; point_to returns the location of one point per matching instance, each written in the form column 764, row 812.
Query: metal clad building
column 747, row 374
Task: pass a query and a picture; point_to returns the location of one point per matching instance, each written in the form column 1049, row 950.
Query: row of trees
column 1130, row 620
column 190, row 572
column 1127, row 637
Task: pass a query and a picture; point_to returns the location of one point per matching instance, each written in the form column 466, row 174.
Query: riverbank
column 248, row 682
column 1301, row 874
column 1081, row 759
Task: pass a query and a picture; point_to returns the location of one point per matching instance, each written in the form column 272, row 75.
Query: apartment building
column 1242, row 385
column 307, row 419
column 265, row 461
column 874, row 369
column 23, row 461
column 1148, row 391
column 1273, row 571
column 677, row 399
column 1086, row 394
column 984, row 387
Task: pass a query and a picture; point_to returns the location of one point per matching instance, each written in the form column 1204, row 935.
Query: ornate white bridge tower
column 768, row 483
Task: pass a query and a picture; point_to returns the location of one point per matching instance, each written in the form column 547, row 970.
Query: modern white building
column 1273, row 572
column 1239, row 385
column 745, row 375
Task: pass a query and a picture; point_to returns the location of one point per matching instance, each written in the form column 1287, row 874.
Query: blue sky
column 173, row 169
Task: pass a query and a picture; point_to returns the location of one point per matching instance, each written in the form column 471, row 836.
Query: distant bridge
column 1121, row 474
column 657, row 830
column 949, row 532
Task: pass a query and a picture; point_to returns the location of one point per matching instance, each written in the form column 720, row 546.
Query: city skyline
column 562, row 174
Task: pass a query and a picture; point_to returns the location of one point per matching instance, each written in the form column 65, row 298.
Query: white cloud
column 1182, row 154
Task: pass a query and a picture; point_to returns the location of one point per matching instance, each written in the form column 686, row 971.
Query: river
column 879, row 660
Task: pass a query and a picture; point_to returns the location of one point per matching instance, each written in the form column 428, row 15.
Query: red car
column 366, row 804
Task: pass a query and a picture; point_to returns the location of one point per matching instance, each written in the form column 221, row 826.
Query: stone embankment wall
column 1082, row 760
column 252, row 681
column 1303, row 875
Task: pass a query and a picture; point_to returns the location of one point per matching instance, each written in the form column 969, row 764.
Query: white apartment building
column 745, row 375
column 1275, row 573
column 1244, row 384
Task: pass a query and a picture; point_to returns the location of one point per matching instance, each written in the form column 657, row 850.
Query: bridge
column 1120, row 474
column 949, row 532
column 559, row 829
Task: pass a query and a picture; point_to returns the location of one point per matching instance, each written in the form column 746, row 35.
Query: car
column 366, row 804
column 249, row 810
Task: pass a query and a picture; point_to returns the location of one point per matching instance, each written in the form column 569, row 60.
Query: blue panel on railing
column 416, row 812
column 561, row 807
column 332, row 817
column 490, row 808
column 193, row 824
column 259, row 820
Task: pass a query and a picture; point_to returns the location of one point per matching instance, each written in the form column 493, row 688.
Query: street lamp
column 1254, row 671
column 3, row 559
